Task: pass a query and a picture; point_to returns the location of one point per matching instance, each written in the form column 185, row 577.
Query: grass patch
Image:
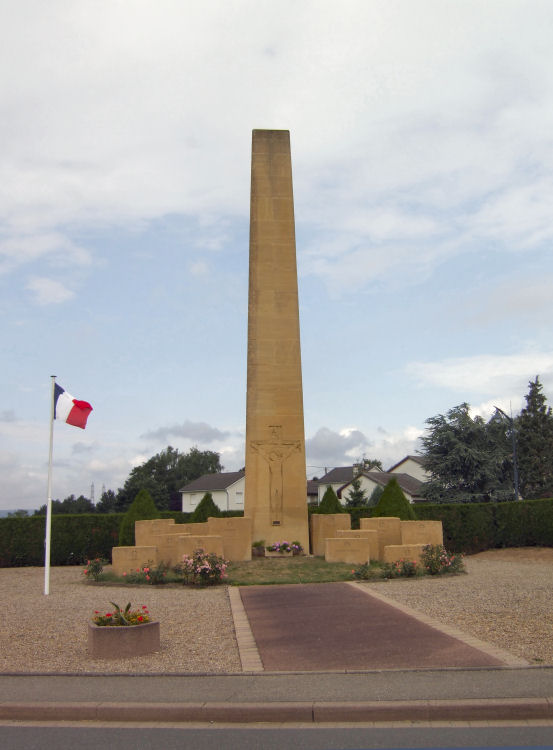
column 269, row 570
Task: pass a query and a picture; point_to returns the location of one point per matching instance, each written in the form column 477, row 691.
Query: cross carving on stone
column 275, row 451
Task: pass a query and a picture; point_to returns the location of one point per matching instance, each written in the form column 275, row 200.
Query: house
column 227, row 490
column 369, row 480
column 412, row 465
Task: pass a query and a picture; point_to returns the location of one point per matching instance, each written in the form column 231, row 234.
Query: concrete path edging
column 285, row 712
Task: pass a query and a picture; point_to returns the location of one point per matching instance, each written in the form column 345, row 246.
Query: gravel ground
column 506, row 599
column 49, row 633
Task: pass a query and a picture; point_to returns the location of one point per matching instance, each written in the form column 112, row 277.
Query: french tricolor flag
column 70, row 409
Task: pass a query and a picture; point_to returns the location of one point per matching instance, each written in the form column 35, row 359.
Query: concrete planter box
column 278, row 554
column 112, row 642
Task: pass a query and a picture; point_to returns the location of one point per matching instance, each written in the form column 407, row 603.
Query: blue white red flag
column 70, row 409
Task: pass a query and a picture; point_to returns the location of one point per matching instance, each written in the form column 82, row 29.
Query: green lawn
column 265, row 571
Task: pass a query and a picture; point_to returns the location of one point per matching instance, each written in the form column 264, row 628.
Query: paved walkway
column 341, row 626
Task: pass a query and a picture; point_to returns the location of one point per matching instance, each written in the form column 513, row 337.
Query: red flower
column 139, row 618
column 109, row 614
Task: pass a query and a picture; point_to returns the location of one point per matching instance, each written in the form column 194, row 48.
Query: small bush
column 403, row 569
column 368, row 572
column 206, row 508
column 203, row 568
column 142, row 508
column 330, row 502
column 436, row 560
column 94, row 569
column 394, row 503
column 152, row 574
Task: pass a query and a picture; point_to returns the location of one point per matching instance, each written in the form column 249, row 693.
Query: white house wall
column 413, row 468
column 230, row 499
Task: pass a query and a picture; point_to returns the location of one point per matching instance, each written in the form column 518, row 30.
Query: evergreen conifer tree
column 357, row 497
column 142, row 508
column 205, row 509
column 330, row 502
column 394, row 503
column 535, row 444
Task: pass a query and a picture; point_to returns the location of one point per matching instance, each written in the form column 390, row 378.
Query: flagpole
column 49, row 502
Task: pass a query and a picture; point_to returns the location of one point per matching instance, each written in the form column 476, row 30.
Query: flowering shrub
column 367, row 572
column 436, row 560
column 122, row 618
column 94, row 568
column 203, row 568
column 403, row 569
column 153, row 574
column 282, row 547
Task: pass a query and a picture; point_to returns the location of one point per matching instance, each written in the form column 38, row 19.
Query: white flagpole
column 49, row 503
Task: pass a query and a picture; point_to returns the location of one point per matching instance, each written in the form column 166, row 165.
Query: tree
column 376, row 494
column 165, row 473
column 142, row 509
column 394, row 503
column 205, row 509
column 357, row 497
column 369, row 464
column 330, row 502
column 535, row 444
column 21, row 513
column 70, row 504
column 467, row 458
column 107, row 502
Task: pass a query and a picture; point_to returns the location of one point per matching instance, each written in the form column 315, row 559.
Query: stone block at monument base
column 389, row 531
column 354, row 551
column 370, row 534
column 324, row 526
column 410, row 552
column 144, row 530
column 127, row 559
column 236, row 534
column 422, row 532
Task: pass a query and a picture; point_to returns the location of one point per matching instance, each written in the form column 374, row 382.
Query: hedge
column 474, row 527
column 75, row 537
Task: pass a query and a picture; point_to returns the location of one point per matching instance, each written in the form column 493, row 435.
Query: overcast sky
column 422, row 156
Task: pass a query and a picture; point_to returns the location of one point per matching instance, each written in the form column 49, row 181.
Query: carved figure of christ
column 275, row 451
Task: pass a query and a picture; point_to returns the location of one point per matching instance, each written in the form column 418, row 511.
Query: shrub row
column 474, row 527
column 75, row 538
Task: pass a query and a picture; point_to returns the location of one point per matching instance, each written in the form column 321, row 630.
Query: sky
column 422, row 155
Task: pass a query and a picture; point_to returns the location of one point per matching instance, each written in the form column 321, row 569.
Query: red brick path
column 329, row 626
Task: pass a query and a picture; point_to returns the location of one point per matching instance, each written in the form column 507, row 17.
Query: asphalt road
column 20, row 737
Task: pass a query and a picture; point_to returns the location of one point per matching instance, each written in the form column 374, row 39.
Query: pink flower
column 124, row 574
column 144, row 606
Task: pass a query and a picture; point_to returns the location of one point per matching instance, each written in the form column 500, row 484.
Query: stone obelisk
column 275, row 493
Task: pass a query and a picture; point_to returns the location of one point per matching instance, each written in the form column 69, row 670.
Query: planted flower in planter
column 123, row 633
column 122, row 618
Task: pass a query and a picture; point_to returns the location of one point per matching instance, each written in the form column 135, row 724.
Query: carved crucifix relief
column 275, row 451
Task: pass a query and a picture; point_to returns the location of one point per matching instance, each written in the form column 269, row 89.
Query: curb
column 521, row 709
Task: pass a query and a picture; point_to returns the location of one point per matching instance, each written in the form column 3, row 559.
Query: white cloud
column 486, row 373
column 49, row 291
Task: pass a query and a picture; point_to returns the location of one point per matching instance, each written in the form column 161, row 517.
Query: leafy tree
column 394, row 503
column 21, row 513
column 165, row 473
column 369, row 464
column 107, row 502
column 357, row 497
column 330, row 502
column 467, row 458
column 142, row 508
column 70, row 504
column 206, row 508
column 535, row 444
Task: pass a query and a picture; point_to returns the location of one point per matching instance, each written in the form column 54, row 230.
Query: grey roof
column 417, row 459
column 209, row 482
column 312, row 486
column 407, row 483
column 340, row 474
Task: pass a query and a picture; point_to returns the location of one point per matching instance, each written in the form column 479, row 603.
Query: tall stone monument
column 275, row 493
